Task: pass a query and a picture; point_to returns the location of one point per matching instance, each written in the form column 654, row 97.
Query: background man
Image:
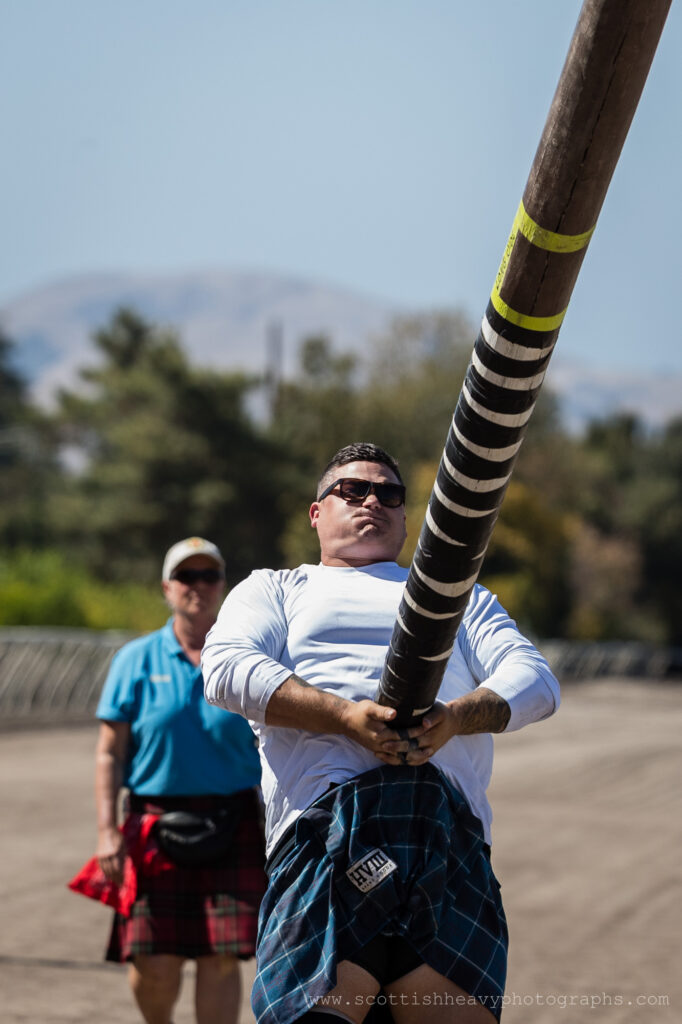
column 160, row 739
column 378, row 845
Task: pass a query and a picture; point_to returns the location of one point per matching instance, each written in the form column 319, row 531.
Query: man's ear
column 314, row 513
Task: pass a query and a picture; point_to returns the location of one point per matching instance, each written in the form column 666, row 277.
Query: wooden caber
column 602, row 80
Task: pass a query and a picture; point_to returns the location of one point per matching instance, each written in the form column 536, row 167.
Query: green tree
column 627, row 563
column 47, row 587
column 612, row 450
column 528, row 559
column 28, row 466
column 314, row 415
column 606, row 575
column 168, row 451
column 413, row 380
column 651, row 511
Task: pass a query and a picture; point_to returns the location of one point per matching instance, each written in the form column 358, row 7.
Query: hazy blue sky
column 377, row 144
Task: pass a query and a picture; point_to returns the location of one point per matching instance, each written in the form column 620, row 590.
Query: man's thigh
column 421, row 995
column 424, row 994
column 353, row 995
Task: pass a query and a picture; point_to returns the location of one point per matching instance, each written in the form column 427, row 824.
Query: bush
column 42, row 588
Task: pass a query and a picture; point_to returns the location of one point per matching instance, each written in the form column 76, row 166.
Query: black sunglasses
column 390, row 495
column 189, row 576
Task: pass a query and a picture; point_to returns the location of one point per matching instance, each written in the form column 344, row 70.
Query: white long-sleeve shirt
column 332, row 626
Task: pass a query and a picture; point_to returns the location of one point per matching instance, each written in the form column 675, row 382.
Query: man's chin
column 373, row 525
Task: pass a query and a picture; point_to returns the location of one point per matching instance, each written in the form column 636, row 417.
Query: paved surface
column 587, row 840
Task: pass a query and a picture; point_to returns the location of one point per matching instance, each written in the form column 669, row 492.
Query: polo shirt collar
column 170, row 641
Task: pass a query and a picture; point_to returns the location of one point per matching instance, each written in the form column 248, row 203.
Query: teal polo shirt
column 179, row 744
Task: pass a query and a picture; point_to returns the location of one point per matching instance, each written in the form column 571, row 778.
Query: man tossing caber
column 381, row 888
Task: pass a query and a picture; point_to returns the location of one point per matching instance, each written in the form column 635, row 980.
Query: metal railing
column 54, row 676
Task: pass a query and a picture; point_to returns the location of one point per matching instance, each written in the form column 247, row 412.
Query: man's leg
column 218, row 992
column 352, row 997
column 424, row 994
column 155, row 982
column 420, row 995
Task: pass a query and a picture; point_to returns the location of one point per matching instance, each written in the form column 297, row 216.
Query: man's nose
column 371, row 499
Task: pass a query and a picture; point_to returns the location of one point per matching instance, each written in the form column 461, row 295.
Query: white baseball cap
column 185, row 549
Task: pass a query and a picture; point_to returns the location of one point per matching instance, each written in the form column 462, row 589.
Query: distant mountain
column 223, row 319
column 589, row 392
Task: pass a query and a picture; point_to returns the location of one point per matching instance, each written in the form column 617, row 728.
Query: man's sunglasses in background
column 189, row 576
column 390, row 495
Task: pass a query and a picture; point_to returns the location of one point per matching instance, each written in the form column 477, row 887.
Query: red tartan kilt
column 193, row 912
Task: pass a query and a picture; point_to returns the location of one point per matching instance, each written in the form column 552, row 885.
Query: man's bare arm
column 298, row 705
column 112, row 744
column 482, row 710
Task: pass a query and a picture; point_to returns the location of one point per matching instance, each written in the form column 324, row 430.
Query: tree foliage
column 47, row 587
column 27, row 459
column 168, row 451
column 415, row 374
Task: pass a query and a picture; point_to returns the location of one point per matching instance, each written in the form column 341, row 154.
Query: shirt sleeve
column 118, row 701
column 240, row 660
column 502, row 659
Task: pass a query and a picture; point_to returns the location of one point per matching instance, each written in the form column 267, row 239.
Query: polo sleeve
column 502, row 659
column 241, row 660
column 118, row 701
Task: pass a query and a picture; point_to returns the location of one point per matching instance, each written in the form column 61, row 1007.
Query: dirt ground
column 586, row 845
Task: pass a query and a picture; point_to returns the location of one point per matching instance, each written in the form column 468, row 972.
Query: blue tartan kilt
column 396, row 851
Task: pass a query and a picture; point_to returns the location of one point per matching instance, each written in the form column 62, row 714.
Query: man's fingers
column 398, row 746
column 411, row 757
column 410, row 749
column 377, row 712
column 432, row 720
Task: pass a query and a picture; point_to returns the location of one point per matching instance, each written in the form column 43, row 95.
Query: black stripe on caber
column 478, row 485
column 462, row 495
column 520, row 335
column 458, row 527
column 431, row 601
column 447, row 562
column 436, row 562
column 498, row 399
column 507, row 366
column 397, row 690
column 482, row 432
column 403, row 654
column 430, row 636
column 474, row 466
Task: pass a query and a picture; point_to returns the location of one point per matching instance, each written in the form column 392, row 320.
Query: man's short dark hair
column 360, row 451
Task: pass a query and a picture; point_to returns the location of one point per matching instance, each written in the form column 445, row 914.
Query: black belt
column 288, row 837
column 281, row 848
column 138, row 802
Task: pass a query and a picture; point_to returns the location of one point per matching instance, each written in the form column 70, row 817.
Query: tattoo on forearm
column 299, row 682
column 485, row 711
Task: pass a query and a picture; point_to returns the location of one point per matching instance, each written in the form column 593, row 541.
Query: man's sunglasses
column 189, row 576
column 390, row 495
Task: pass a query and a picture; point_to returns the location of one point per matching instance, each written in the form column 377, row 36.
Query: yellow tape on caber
column 540, row 237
